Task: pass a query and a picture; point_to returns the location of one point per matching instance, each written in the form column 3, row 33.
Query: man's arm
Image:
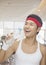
column 5, row 54
column 43, row 54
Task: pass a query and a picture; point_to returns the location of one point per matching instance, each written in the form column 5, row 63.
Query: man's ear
column 38, row 29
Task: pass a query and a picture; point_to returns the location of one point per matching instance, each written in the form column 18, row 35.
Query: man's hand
column 9, row 36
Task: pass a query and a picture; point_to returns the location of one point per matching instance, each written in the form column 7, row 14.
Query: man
column 28, row 51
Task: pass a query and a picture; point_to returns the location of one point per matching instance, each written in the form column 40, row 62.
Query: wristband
column 5, row 47
column 10, row 42
column 7, row 44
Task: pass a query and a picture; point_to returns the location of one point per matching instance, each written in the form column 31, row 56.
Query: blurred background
column 14, row 12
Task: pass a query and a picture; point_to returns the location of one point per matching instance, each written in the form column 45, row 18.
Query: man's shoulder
column 42, row 48
column 16, row 42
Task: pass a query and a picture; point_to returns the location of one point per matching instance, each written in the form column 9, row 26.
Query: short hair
column 36, row 17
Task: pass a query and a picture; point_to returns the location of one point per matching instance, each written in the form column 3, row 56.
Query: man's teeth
column 27, row 31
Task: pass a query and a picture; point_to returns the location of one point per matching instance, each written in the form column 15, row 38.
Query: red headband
column 35, row 20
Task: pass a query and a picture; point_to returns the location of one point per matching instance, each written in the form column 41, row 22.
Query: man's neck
column 30, row 41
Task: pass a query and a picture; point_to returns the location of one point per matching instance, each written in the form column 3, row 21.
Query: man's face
column 30, row 28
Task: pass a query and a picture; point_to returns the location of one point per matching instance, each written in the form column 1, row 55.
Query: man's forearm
column 2, row 54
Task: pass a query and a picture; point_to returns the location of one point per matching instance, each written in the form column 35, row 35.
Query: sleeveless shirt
column 22, row 58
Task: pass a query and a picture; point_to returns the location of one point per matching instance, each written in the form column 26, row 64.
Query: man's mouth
column 27, row 31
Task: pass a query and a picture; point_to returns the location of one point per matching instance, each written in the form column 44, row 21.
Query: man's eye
column 31, row 24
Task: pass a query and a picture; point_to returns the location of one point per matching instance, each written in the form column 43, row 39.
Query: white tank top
column 22, row 58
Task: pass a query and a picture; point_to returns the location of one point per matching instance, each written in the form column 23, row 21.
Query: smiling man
column 28, row 51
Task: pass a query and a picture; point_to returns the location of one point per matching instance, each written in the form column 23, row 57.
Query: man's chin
column 27, row 36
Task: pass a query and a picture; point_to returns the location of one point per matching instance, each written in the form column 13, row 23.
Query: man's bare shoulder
column 16, row 43
column 42, row 48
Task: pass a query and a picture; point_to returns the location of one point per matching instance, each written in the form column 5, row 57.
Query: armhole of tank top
column 39, row 47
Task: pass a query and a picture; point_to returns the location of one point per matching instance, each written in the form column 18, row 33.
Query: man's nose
column 27, row 26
